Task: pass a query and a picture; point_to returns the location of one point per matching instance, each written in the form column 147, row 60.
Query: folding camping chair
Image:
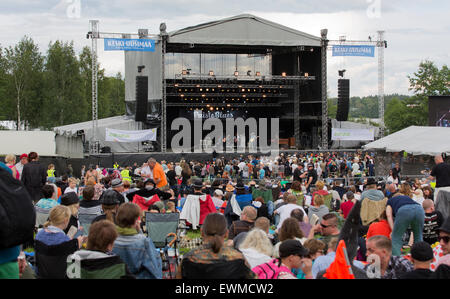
column 86, row 221
column 163, row 230
column 160, row 225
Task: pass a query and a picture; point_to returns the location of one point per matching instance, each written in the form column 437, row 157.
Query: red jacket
column 207, row 206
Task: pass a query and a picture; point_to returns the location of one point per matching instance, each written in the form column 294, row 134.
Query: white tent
column 19, row 142
column 415, row 140
column 69, row 138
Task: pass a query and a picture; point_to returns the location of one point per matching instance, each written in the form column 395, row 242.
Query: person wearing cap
column 421, row 258
column 19, row 165
column 292, row 256
column 371, row 191
column 110, row 204
column 311, row 177
column 72, row 201
column 150, row 190
column 197, row 206
column 117, row 186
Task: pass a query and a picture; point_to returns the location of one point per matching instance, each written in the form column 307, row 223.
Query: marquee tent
column 415, row 140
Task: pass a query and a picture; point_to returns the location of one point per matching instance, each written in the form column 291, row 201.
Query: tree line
column 402, row 111
column 42, row 91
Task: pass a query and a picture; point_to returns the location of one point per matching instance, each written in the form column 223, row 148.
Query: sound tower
column 343, row 104
column 141, row 98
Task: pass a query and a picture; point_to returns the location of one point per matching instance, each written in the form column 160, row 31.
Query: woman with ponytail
column 214, row 260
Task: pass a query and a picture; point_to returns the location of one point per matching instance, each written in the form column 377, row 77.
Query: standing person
column 133, row 247
column 407, row 213
column 21, row 163
column 172, row 179
column 433, row 220
column 440, row 173
column 51, row 173
column 11, row 163
column 311, row 177
column 34, row 176
column 213, row 260
column 69, row 170
column 396, row 172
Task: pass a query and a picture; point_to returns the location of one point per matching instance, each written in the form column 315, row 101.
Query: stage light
column 182, row 95
column 212, row 108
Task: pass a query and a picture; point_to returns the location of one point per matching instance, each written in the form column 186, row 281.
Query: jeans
column 411, row 215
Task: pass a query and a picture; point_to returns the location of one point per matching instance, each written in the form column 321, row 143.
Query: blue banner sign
column 123, row 44
column 367, row 51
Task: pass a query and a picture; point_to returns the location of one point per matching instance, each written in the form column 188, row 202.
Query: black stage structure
column 242, row 66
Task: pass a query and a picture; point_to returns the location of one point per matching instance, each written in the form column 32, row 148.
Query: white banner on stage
column 130, row 136
column 352, row 134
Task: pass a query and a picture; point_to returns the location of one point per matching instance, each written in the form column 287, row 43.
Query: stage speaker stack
column 343, row 104
column 141, row 98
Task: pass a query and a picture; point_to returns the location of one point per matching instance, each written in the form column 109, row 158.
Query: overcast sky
column 416, row 30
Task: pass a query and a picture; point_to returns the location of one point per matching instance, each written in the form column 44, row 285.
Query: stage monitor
column 439, row 111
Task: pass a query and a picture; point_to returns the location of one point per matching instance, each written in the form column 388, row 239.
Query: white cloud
column 415, row 30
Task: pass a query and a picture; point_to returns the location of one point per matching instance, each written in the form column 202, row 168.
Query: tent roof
column 415, row 140
column 245, row 30
column 117, row 122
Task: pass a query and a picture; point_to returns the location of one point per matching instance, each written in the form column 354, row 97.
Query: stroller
column 163, row 230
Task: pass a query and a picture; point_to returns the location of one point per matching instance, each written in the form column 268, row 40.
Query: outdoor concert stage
column 243, row 66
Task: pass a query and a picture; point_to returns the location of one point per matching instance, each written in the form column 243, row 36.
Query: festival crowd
column 301, row 216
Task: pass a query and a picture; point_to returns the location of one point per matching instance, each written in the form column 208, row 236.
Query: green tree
column 24, row 67
column 429, row 80
column 64, row 104
column 401, row 114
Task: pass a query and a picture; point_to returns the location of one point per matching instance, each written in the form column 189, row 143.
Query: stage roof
column 245, row 29
column 415, row 140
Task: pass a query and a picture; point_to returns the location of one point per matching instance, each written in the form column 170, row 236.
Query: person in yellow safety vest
column 51, row 171
column 116, row 165
column 125, row 173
